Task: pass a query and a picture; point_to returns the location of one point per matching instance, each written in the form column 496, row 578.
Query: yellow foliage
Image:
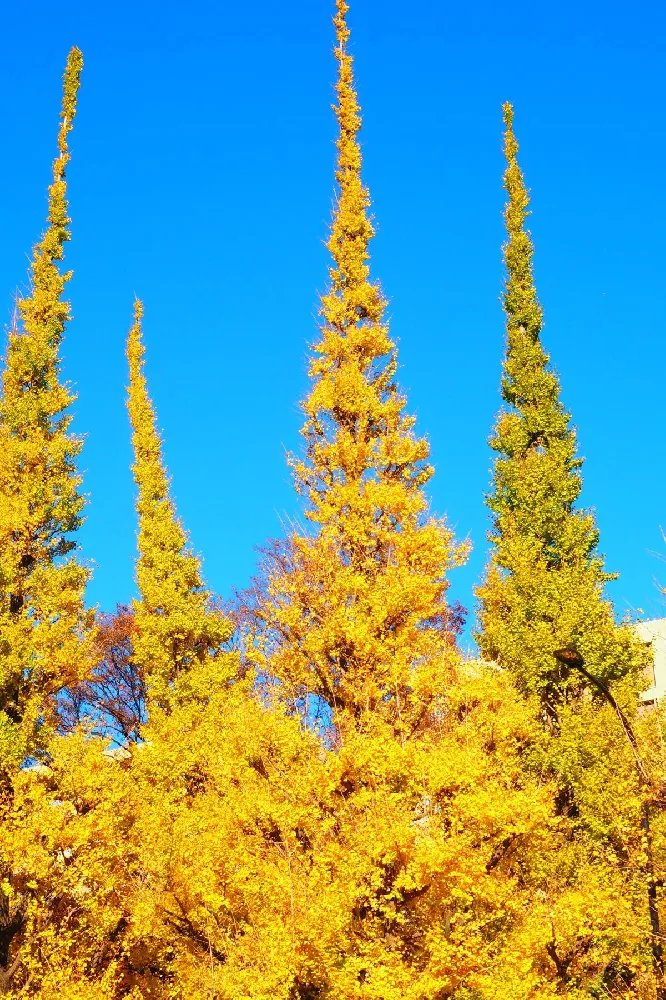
column 234, row 854
column 355, row 613
column 44, row 628
column 176, row 625
column 368, row 815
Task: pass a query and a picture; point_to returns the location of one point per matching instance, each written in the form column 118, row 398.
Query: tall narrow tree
column 545, row 581
column 355, row 611
column 176, row 626
column 44, row 629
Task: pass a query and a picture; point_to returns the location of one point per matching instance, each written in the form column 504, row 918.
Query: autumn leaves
column 317, row 796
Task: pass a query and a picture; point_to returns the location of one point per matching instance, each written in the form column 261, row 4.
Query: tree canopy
column 312, row 793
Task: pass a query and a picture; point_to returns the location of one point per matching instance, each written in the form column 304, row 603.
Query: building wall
column 653, row 633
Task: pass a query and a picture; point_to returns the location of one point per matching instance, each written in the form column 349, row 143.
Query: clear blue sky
column 202, row 181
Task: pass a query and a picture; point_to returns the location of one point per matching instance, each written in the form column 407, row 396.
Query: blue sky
column 202, row 181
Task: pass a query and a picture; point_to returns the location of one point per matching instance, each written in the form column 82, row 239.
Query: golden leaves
column 177, row 630
column 369, row 816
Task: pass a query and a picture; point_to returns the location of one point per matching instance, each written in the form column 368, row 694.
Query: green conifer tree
column 44, row 628
column 544, row 586
column 176, row 626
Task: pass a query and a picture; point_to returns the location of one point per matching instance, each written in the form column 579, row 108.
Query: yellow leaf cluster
column 176, row 626
column 45, row 631
column 320, row 798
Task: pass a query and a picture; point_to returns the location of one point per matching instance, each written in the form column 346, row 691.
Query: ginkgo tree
column 316, row 796
column 544, row 590
column 354, row 611
column 544, row 585
column 434, row 810
column 176, row 626
column 45, row 629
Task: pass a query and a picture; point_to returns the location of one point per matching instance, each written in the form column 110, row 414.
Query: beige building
column 653, row 633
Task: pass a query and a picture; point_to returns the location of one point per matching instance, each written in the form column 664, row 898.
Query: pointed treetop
column 58, row 233
column 528, row 383
column 353, row 297
column 71, row 80
column 43, row 312
column 145, row 438
column 544, row 584
column 340, row 21
column 45, row 628
column 162, row 539
column 356, row 612
column 535, row 432
column 520, row 299
column 177, row 627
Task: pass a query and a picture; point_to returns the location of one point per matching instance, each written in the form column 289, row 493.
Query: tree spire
column 43, row 624
column 356, row 613
column 352, row 296
column 520, row 299
column 544, row 583
column 176, row 627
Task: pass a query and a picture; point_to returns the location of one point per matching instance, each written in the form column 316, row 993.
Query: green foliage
column 544, row 585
